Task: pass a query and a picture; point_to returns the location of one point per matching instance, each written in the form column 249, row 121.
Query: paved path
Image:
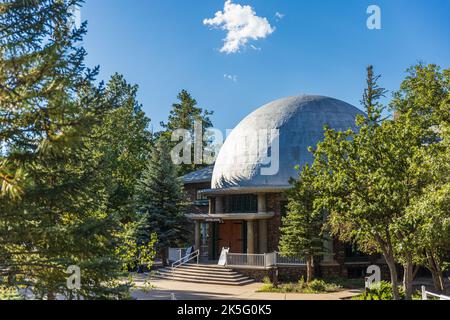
column 167, row 290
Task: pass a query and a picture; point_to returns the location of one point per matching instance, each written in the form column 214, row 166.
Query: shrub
column 318, row 285
column 315, row 286
column 9, row 293
column 383, row 292
column 266, row 280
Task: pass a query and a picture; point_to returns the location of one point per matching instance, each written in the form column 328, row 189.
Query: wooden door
column 230, row 236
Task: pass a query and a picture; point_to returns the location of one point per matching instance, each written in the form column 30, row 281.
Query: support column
column 211, row 205
column 219, row 204
column 328, row 256
column 197, row 235
column 250, row 237
column 329, row 267
column 262, row 208
column 262, row 236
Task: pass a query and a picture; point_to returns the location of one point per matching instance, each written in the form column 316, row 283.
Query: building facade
column 239, row 202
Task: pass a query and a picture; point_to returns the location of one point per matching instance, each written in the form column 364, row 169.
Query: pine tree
column 160, row 201
column 48, row 111
column 184, row 115
column 301, row 231
column 124, row 139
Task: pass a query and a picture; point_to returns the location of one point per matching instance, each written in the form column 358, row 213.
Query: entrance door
column 231, row 236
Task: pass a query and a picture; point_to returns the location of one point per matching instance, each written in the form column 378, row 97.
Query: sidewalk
column 167, row 290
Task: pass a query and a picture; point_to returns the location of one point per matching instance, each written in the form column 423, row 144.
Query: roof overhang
column 245, row 190
column 217, row 217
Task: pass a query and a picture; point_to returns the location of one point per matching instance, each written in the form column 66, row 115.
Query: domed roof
column 243, row 160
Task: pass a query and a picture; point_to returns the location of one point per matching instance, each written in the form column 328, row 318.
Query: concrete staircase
column 203, row 273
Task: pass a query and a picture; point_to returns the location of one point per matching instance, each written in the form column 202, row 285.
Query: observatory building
column 239, row 202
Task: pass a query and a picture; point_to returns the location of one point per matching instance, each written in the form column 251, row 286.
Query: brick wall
column 273, row 203
column 285, row 274
column 191, row 195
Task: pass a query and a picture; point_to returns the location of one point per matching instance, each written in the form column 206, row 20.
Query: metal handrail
column 426, row 293
column 186, row 259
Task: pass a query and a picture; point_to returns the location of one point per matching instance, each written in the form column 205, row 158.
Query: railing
column 188, row 258
column 241, row 260
column 176, row 254
column 426, row 294
column 265, row 261
column 289, row 261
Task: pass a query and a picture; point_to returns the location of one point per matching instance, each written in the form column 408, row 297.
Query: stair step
column 208, row 281
column 186, row 276
column 197, row 276
column 205, row 267
column 205, row 274
column 201, row 274
column 210, row 271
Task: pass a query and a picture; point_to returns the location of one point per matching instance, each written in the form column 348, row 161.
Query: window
column 242, row 204
column 352, row 253
column 200, row 195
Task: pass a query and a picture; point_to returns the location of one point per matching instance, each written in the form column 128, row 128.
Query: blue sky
column 318, row 47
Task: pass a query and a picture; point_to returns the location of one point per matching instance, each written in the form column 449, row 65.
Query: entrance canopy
column 231, row 216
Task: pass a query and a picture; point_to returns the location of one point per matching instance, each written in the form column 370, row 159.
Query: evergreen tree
column 48, row 112
column 301, row 231
column 184, row 115
column 125, row 142
column 159, row 201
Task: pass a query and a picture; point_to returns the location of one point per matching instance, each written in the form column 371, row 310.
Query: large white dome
column 300, row 122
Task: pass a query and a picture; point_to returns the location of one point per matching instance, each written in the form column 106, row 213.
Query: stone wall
column 284, row 274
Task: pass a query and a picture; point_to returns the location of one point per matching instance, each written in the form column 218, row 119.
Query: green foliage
column 383, row 292
column 316, row 286
column 301, row 231
column 124, row 143
column 133, row 254
column 160, row 200
column 369, row 178
column 9, row 293
column 184, row 115
column 302, row 226
column 346, row 282
column 50, row 113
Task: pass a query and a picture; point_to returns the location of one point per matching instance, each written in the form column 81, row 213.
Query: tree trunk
column 408, row 278
column 51, row 295
column 416, row 271
column 164, row 257
column 309, row 269
column 394, row 277
column 436, row 273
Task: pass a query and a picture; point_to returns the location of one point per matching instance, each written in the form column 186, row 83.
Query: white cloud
column 279, row 15
column 241, row 23
column 233, row 78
